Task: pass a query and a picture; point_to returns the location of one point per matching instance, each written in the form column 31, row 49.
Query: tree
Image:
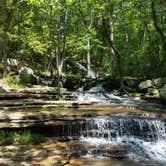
column 7, row 12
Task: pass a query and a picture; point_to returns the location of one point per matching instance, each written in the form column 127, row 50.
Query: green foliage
column 13, row 81
column 35, row 34
column 73, row 81
column 27, row 79
column 19, row 137
column 19, row 81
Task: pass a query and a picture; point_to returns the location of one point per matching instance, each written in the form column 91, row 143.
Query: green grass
column 14, row 81
column 20, row 137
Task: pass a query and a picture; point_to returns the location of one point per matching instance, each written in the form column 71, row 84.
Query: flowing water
column 115, row 131
column 143, row 137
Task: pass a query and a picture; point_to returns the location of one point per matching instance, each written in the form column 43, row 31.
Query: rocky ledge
column 55, row 153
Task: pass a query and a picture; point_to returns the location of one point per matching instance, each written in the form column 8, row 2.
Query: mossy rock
column 73, row 82
column 137, row 94
column 153, row 91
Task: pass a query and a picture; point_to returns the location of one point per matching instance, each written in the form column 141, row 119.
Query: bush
column 13, row 81
column 16, row 81
column 27, row 79
column 73, row 82
column 19, row 137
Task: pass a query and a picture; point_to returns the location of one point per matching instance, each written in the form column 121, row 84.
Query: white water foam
column 140, row 149
column 143, row 147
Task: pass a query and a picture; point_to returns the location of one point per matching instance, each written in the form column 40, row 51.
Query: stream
column 143, row 138
column 115, row 131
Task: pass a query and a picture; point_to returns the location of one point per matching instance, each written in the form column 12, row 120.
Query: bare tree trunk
column 88, row 58
column 4, row 52
column 51, row 38
column 6, row 22
column 89, row 44
column 60, row 57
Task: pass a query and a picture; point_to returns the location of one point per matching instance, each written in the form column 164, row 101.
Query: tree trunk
column 6, row 22
column 7, row 15
column 158, row 29
column 88, row 57
column 115, row 50
column 89, row 45
column 61, row 52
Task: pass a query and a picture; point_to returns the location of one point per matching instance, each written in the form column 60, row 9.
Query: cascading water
column 145, row 137
column 97, row 94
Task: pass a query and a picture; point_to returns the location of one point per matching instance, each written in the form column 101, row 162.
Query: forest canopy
column 113, row 37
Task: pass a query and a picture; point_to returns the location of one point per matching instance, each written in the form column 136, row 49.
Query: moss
column 137, row 94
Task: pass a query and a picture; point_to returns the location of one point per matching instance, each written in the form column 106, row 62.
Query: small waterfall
column 111, row 128
column 146, row 137
column 99, row 95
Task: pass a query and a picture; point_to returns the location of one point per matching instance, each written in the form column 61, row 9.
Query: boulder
column 159, row 82
column 145, row 84
column 51, row 81
column 26, row 70
column 163, row 93
column 12, row 65
column 153, row 91
column 131, row 82
column 78, row 150
column 73, row 82
column 27, row 76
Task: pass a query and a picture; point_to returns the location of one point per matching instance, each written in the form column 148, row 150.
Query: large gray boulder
column 145, row 84
column 26, row 70
column 163, row 93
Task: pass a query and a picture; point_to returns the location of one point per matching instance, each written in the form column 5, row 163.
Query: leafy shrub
column 13, row 81
column 19, row 137
column 73, row 82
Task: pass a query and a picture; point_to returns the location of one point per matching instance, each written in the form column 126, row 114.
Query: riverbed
column 108, row 131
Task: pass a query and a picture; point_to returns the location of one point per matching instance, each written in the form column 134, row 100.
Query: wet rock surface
column 136, row 123
column 116, row 151
column 54, row 154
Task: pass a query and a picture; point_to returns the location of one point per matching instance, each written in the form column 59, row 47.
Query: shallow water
column 102, row 162
column 139, row 127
